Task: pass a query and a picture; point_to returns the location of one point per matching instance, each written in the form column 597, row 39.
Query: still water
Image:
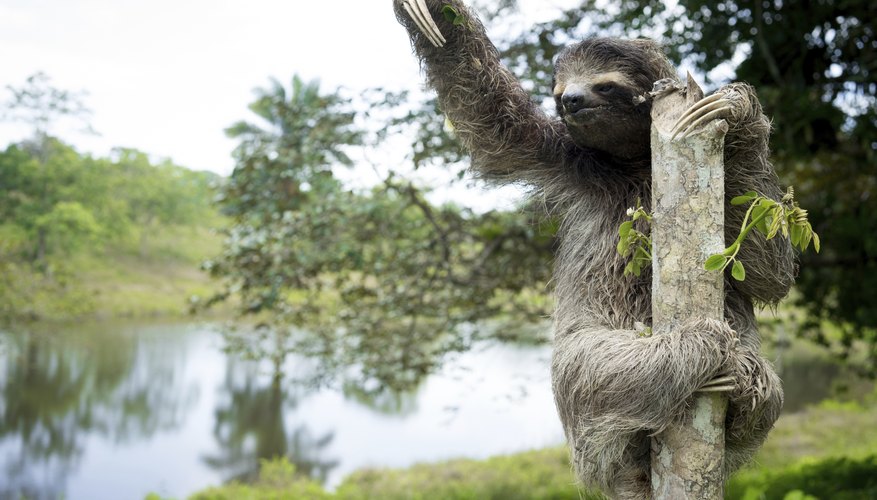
column 115, row 412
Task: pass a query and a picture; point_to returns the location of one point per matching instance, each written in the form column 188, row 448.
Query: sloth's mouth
column 584, row 115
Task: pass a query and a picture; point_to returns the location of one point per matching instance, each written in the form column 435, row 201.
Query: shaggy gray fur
column 614, row 387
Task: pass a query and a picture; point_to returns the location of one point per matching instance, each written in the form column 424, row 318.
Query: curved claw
column 420, row 14
column 719, row 384
column 704, row 110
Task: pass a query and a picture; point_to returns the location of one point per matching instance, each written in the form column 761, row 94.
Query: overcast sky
column 167, row 76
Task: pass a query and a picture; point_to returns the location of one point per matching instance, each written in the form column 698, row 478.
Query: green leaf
column 452, row 16
column 737, row 271
column 763, row 226
column 715, row 262
column 625, row 228
column 744, row 198
column 775, row 225
column 806, row 237
column 623, row 247
column 763, row 206
column 796, row 235
column 816, row 241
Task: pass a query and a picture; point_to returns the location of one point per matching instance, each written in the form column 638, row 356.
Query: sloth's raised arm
column 508, row 136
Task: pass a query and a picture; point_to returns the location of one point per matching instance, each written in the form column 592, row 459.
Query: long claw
column 430, row 22
column 720, row 388
column 703, row 102
column 415, row 16
column 721, row 380
column 718, row 113
column 699, row 108
column 718, row 384
column 420, row 14
column 711, row 107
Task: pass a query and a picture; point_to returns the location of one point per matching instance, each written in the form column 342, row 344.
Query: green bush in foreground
column 832, row 478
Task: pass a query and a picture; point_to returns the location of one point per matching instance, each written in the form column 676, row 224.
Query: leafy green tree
column 43, row 171
column 153, row 195
column 287, row 159
column 69, row 225
column 375, row 285
column 42, row 106
column 36, row 181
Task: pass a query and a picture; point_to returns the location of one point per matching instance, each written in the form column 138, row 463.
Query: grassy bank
column 152, row 278
column 827, row 451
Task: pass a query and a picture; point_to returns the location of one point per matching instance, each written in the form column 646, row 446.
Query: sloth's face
column 600, row 107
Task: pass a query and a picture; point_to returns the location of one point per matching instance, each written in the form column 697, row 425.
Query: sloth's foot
column 420, row 14
column 709, row 108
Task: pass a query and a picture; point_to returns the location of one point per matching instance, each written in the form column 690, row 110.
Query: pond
column 118, row 411
column 114, row 411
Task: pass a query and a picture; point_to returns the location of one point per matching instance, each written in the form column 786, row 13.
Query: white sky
column 167, row 76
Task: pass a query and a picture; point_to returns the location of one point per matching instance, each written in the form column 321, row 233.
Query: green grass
column 534, row 474
column 121, row 280
column 830, row 429
column 277, row 481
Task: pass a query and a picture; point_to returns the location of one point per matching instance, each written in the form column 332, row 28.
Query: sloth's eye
column 604, row 88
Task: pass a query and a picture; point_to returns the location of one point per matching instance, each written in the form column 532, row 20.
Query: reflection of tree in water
column 56, row 389
column 250, row 426
column 384, row 401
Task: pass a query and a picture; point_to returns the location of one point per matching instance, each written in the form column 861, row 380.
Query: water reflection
column 110, row 412
column 386, row 402
column 58, row 389
column 250, row 425
column 116, row 412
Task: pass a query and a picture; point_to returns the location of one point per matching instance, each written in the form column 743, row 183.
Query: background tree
column 36, row 183
column 380, row 280
column 60, row 208
column 39, row 184
column 42, row 106
column 157, row 194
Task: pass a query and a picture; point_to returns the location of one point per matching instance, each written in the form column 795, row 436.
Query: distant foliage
column 58, row 201
column 377, row 285
column 57, row 204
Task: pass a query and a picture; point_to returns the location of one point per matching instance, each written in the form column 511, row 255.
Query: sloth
column 614, row 386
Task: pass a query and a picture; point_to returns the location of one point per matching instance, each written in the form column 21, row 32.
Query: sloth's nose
column 578, row 97
column 573, row 100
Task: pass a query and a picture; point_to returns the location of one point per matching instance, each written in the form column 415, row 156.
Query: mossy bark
column 688, row 204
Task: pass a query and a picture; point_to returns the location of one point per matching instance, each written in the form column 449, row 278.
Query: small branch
column 427, row 212
column 772, row 66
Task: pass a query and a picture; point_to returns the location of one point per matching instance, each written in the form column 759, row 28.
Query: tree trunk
column 688, row 188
